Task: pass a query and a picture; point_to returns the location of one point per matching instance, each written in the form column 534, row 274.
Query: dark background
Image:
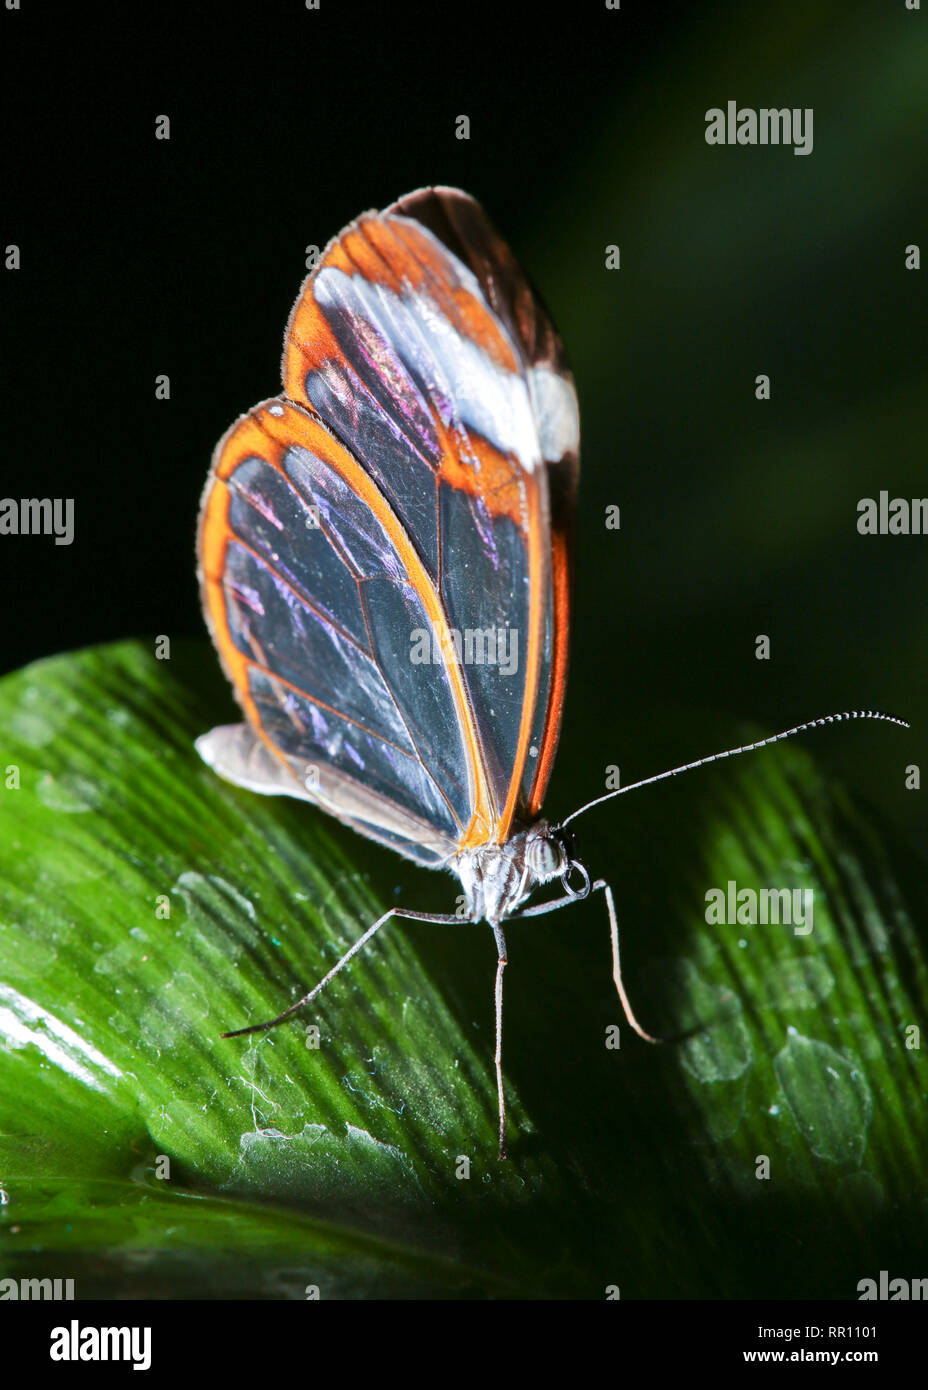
column 143, row 257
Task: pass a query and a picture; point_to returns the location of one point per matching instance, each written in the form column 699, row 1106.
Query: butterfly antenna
column 745, row 748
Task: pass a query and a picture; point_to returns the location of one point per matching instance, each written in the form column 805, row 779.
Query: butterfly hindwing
column 311, row 589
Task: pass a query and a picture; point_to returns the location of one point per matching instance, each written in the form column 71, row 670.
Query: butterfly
column 385, row 559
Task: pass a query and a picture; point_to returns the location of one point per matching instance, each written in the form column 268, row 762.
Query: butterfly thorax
column 497, row 879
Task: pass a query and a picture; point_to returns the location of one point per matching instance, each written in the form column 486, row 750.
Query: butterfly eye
column 546, row 858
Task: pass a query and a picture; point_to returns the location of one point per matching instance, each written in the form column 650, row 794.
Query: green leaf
column 140, row 1152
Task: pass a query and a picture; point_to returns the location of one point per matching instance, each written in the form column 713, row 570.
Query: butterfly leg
column 616, row 966
column 501, row 961
column 361, row 942
column 541, row 909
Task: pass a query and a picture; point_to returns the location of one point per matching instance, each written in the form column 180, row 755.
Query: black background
column 183, row 257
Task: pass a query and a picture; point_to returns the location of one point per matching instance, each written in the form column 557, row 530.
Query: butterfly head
column 498, row 878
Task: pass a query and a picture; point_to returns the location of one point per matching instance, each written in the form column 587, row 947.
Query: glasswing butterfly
column 416, row 476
